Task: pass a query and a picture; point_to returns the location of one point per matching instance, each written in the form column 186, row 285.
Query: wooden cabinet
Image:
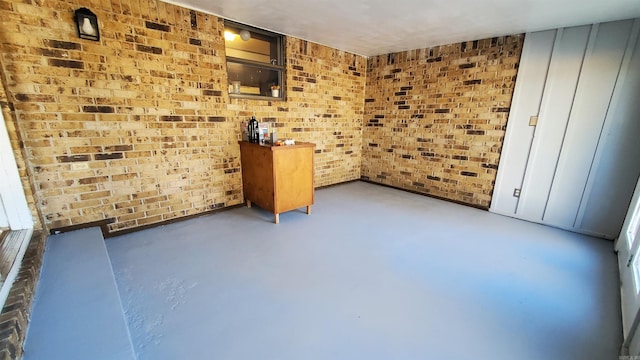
column 278, row 178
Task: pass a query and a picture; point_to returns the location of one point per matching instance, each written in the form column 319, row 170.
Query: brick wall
column 434, row 119
column 325, row 98
column 139, row 128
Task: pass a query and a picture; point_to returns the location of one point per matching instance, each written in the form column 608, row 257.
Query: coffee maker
column 253, row 131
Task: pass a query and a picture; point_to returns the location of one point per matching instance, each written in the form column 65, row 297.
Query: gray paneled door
column 570, row 153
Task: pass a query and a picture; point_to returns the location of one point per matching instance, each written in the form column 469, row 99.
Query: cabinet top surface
column 298, row 144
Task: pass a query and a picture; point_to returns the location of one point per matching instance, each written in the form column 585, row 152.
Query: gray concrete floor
column 373, row 273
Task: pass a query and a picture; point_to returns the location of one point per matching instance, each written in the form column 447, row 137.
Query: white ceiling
column 373, row 27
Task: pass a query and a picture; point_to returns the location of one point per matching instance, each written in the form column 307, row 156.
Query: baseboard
column 486, row 208
column 102, row 224
column 336, row 184
column 170, row 221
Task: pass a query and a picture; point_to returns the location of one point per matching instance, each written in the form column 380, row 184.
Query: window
column 255, row 62
column 634, row 226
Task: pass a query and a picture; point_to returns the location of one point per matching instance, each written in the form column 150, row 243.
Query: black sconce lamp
column 87, row 23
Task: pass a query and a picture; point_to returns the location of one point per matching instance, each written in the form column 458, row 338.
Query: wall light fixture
column 87, row 23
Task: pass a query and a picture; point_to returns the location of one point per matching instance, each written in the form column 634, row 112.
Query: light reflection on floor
column 373, row 273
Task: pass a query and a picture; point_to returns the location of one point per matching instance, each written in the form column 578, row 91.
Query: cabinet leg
column 309, row 210
column 276, row 218
column 248, row 203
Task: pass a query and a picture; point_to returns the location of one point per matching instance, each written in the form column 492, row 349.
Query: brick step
column 77, row 312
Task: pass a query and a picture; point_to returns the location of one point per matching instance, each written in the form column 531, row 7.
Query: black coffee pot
column 253, row 130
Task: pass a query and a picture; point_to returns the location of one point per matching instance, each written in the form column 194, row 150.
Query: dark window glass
column 255, row 61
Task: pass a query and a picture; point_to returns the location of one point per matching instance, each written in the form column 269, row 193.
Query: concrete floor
column 373, row 273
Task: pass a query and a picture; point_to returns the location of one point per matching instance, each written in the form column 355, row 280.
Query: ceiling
column 373, row 27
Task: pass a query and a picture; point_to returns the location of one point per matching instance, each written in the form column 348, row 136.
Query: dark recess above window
column 255, row 62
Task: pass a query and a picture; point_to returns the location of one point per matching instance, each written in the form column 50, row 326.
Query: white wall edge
column 11, row 191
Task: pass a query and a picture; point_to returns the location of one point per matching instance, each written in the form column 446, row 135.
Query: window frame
column 280, row 65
